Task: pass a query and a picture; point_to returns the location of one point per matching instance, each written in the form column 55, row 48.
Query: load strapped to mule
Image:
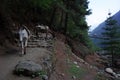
column 41, row 29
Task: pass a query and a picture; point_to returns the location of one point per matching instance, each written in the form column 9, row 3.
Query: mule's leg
column 25, row 44
column 21, row 48
column 46, row 31
column 24, row 47
column 24, row 50
column 20, row 45
column 37, row 32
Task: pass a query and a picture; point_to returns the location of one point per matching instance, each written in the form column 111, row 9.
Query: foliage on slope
column 79, row 49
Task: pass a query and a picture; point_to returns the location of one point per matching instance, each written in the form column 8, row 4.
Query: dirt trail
column 9, row 59
column 61, row 67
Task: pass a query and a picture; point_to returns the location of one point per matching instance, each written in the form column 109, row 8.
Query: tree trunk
column 66, row 18
column 62, row 18
column 52, row 17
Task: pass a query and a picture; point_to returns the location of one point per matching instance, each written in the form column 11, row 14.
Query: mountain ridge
column 98, row 30
column 115, row 17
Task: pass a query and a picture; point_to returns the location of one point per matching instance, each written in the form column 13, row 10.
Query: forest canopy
column 65, row 16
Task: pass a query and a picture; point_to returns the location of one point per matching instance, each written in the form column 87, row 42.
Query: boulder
column 109, row 70
column 28, row 68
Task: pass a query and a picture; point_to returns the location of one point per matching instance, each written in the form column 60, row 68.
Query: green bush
column 78, row 72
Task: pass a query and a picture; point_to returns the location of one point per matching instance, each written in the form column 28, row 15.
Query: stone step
column 40, row 41
column 39, row 46
column 34, row 40
column 32, row 46
column 32, row 43
column 41, row 38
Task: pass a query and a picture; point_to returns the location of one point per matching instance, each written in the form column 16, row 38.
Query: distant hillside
column 98, row 30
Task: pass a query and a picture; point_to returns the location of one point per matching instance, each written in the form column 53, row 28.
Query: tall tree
column 111, row 38
column 78, row 9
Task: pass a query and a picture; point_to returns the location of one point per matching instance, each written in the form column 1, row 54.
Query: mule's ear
column 24, row 26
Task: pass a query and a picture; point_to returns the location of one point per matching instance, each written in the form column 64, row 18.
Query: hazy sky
column 100, row 9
